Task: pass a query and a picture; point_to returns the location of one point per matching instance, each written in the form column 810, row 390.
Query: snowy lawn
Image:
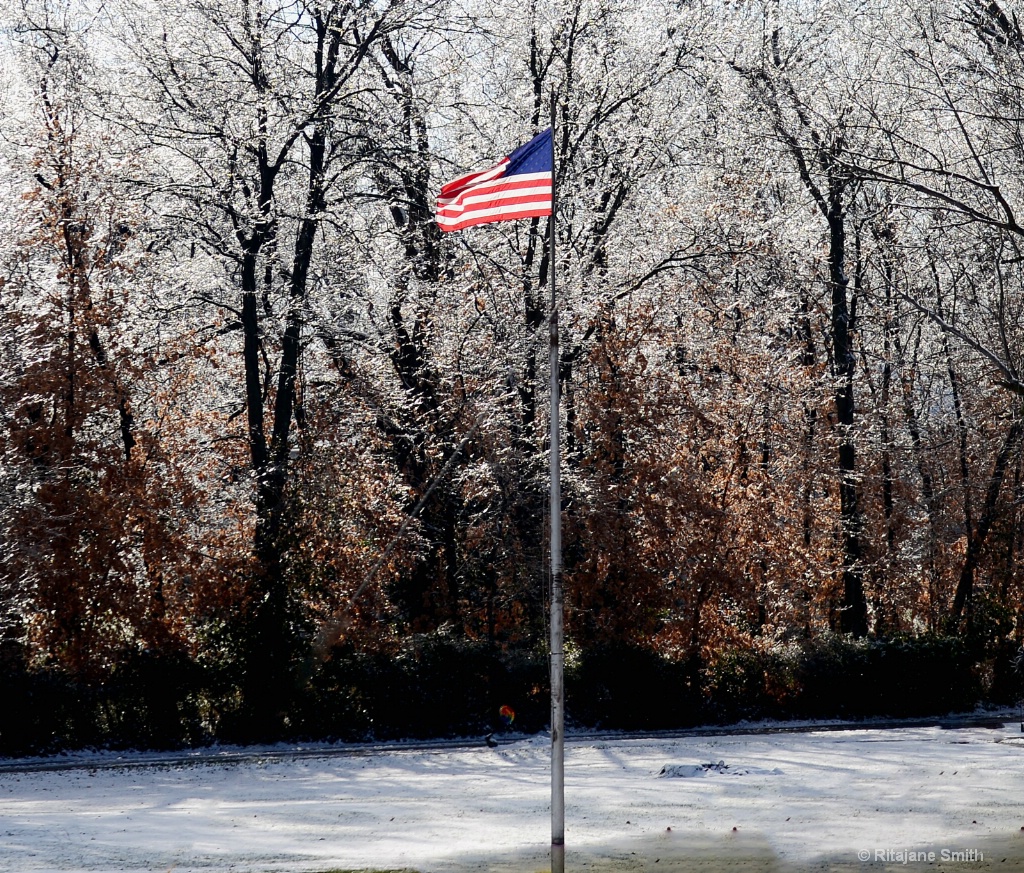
column 772, row 802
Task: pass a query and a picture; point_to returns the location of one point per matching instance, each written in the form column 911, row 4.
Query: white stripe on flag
column 493, row 212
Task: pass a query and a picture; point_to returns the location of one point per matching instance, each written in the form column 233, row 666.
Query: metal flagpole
column 557, row 634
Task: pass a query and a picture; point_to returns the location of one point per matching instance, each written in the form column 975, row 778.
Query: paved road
column 244, row 755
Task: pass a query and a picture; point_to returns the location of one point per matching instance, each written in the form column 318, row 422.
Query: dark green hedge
column 437, row 686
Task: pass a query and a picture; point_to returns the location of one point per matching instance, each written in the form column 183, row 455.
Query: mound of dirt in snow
column 685, row 771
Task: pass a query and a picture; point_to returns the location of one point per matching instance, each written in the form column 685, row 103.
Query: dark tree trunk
column 820, row 164
column 853, row 616
column 270, row 645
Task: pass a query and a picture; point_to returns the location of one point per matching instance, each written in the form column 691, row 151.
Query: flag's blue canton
column 534, row 157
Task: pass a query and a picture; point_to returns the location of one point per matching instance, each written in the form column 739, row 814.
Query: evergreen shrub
column 439, row 685
column 622, row 687
column 432, row 686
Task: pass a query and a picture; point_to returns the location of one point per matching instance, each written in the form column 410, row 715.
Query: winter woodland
column 257, row 409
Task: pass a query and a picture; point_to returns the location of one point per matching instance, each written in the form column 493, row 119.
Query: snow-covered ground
column 771, row 802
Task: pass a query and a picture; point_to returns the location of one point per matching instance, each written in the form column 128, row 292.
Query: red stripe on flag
column 452, row 188
column 486, row 216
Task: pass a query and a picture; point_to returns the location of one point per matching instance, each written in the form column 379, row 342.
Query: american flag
column 518, row 186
